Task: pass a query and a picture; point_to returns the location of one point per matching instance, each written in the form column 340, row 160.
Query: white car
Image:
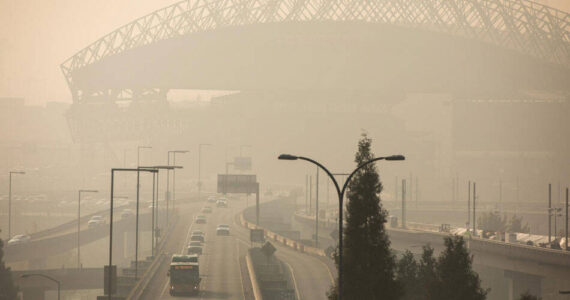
column 223, row 229
column 222, row 203
column 95, row 221
column 19, row 239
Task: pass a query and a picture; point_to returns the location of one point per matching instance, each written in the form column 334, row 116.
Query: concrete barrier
column 278, row 238
column 253, row 278
column 141, row 285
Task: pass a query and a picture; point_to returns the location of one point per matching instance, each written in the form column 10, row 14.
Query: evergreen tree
column 407, row 275
column 427, row 277
column 456, row 278
column 8, row 290
column 368, row 262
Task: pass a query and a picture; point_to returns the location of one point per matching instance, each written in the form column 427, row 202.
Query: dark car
column 197, row 238
column 201, row 219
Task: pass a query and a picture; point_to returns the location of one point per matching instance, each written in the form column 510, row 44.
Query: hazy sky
column 36, row 36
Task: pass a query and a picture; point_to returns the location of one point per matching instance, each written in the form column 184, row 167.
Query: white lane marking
column 239, row 270
column 165, row 287
column 294, row 280
column 328, row 270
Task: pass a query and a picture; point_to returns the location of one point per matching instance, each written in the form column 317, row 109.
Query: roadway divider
column 287, row 242
column 141, row 285
column 257, row 295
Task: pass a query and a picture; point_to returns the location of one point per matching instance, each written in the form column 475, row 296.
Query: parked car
column 201, row 220
column 19, row 239
column 223, row 229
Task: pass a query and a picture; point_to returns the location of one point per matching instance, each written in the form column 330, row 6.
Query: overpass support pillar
column 520, row 283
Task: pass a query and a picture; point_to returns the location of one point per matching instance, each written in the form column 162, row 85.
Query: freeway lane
column 222, row 267
column 312, row 276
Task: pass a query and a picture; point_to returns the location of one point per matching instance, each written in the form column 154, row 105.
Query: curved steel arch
column 522, row 25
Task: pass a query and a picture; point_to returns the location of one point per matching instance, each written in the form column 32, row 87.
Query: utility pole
column 474, row 215
column 549, row 213
column 306, row 192
column 317, row 214
column 404, row 203
column 468, row 205
column 310, row 211
column 566, row 242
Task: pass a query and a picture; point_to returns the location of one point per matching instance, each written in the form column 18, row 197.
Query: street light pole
column 10, row 203
column 155, row 182
column 79, row 223
column 173, row 175
column 138, row 170
column 340, row 198
column 199, row 167
column 47, row 277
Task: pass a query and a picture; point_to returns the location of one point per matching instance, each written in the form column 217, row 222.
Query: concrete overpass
column 508, row 269
column 39, row 249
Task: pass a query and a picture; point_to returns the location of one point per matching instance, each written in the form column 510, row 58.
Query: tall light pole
column 110, row 277
column 10, row 203
column 199, row 167
column 340, row 198
column 173, row 177
column 79, row 223
column 47, row 277
column 154, row 239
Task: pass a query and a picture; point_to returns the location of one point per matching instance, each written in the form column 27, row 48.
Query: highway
column 222, row 265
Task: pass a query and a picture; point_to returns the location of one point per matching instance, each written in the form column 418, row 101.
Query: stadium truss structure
column 530, row 28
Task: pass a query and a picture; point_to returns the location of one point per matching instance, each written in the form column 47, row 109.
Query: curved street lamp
column 47, row 277
column 340, row 193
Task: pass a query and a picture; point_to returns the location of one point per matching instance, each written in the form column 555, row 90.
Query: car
column 197, row 238
column 194, row 247
column 223, row 229
column 95, row 221
column 201, row 220
column 222, row 203
column 19, row 239
column 198, row 232
column 127, row 213
column 207, row 209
